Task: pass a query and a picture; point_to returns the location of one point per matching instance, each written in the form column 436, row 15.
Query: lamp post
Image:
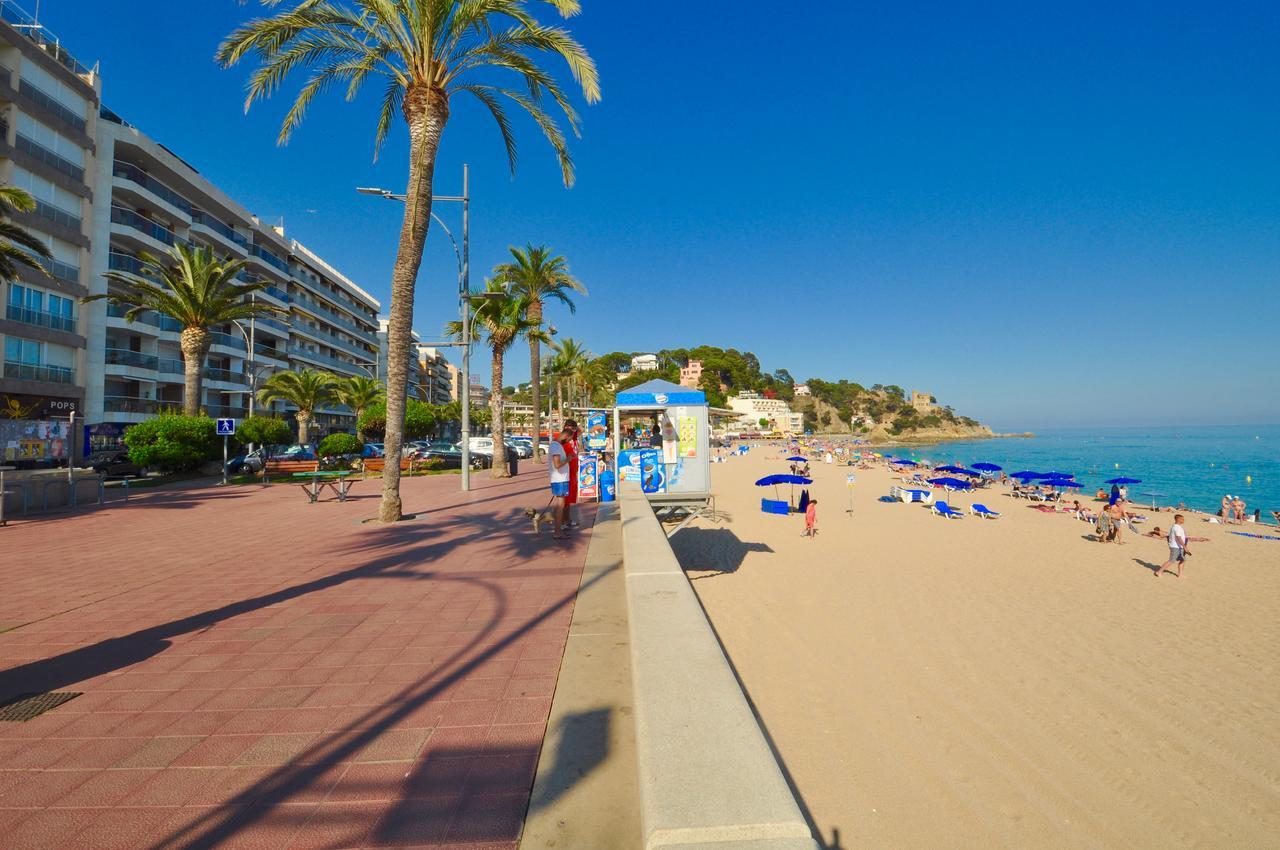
column 464, row 286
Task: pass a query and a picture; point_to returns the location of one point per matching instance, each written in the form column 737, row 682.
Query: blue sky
column 1044, row 215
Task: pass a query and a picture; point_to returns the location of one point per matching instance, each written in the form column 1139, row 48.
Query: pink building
column 691, row 374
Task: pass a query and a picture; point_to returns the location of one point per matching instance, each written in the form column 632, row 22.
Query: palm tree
column 426, row 51
column 306, row 390
column 358, row 393
column 17, row 246
column 503, row 320
column 536, row 275
column 195, row 288
column 570, row 359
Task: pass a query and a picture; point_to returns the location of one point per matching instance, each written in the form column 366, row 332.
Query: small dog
column 539, row 517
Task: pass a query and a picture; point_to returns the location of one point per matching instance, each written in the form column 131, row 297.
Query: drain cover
column 26, row 706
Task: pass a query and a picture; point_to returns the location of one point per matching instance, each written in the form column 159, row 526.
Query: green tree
column 262, row 431
column 196, row 289
column 17, row 246
column 503, row 318
column 537, row 276
column 340, row 444
column 172, row 441
column 306, row 390
column 359, row 393
column 420, row 420
column 427, row 51
column 764, row 423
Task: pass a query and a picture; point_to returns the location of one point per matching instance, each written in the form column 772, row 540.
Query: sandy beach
column 1008, row 683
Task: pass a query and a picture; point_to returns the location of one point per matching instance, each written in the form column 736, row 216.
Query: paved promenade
column 260, row 672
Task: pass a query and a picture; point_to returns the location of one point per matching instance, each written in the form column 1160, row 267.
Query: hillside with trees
column 880, row 412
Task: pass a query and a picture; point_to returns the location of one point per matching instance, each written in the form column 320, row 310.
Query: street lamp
column 464, row 297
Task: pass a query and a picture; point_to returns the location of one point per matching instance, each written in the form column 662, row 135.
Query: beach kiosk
column 662, row 442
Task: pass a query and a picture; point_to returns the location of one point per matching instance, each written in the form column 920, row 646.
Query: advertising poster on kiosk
column 597, row 438
column 588, row 477
column 653, row 478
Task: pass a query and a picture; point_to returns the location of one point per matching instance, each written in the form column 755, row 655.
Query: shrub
column 172, row 441
column 419, row 421
column 263, row 431
column 340, row 444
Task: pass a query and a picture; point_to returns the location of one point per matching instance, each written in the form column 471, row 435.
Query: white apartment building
column 48, row 111
column 435, row 382
column 644, row 363
column 414, row 367
column 751, row 408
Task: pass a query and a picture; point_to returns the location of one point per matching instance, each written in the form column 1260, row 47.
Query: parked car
column 297, row 451
column 450, row 457
column 112, row 462
column 373, row 450
column 248, row 463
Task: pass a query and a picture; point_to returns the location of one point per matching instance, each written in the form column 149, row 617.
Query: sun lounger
column 945, row 510
column 983, row 511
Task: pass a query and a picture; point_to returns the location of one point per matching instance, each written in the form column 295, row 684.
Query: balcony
column 331, row 316
column 324, row 336
column 60, row 270
column 41, row 318
column 119, row 262
column 347, row 365
column 229, row 341
column 203, row 219
column 58, row 216
column 269, row 258
column 52, row 104
column 33, row 372
column 134, row 174
column 129, row 218
column 129, row 404
column 150, row 317
column 58, row 163
column 225, row 411
column 261, row 350
column 138, row 360
column 225, row 375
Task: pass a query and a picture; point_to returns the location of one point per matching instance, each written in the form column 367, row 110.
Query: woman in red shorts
column 571, row 449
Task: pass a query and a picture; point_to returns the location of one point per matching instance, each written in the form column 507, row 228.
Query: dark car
column 451, row 458
column 112, row 462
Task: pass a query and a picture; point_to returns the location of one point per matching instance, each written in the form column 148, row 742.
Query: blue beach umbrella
column 904, row 462
column 951, row 483
column 1056, row 475
column 775, row 480
column 987, row 467
column 1063, row 483
column 1025, row 474
column 957, row 470
column 1124, row 481
column 798, row 459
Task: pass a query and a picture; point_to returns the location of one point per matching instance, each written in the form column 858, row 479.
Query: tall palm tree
column 502, row 320
column 537, row 275
column 358, row 393
column 17, row 246
column 195, row 288
column 306, row 390
column 426, row 51
column 570, row 359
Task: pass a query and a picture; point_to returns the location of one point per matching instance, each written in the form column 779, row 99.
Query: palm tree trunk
column 304, row 426
column 535, row 376
column 495, row 407
column 195, row 344
column 426, row 111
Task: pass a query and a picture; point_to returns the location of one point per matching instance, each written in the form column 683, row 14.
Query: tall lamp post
column 464, row 299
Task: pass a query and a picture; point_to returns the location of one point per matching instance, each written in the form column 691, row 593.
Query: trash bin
column 607, row 486
column 513, row 463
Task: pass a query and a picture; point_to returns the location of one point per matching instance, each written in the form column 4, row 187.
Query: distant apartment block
column 435, row 381
column 802, row 389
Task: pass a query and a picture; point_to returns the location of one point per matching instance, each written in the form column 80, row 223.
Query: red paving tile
column 304, row 681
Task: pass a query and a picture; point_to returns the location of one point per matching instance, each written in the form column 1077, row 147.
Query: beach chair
column 983, row 511
column 944, row 510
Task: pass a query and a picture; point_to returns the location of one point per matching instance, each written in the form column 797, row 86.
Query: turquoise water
column 1195, row 466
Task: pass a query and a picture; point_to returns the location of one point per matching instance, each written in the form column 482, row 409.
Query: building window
column 24, row 352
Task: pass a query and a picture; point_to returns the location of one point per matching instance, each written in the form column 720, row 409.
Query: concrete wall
column 708, row 778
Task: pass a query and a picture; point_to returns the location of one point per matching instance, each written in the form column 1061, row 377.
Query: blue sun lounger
column 983, row 511
column 943, row 509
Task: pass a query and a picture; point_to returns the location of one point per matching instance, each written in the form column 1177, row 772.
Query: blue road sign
column 226, row 427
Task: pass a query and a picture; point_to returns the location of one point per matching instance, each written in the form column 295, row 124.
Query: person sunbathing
column 1160, row 535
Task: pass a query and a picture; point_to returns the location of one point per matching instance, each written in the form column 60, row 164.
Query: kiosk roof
column 659, row 393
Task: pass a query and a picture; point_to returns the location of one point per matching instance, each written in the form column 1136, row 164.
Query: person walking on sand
column 1177, row 547
column 558, row 472
column 810, row 519
column 1116, row 511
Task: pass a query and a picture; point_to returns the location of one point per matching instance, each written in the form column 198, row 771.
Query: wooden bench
column 288, row 467
column 378, row 464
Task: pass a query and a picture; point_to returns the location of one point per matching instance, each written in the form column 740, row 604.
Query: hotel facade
column 106, row 193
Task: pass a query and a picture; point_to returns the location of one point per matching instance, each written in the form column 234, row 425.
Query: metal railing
column 134, row 174
column 269, row 258
column 31, row 28
column 229, row 341
column 138, row 360
column 125, row 263
column 330, row 339
column 40, row 318
column 150, row 317
column 129, row 404
column 331, row 315
column 206, row 220
column 60, row 270
column 266, row 351
column 226, row 375
column 33, row 372
column 129, row 218
column 55, row 161
column 298, row 351
column 52, row 104
column 58, row 215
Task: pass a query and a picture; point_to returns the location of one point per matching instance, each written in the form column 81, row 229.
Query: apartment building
column 414, row 378
column 751, row 407
column 48, row 111
column 435, row 381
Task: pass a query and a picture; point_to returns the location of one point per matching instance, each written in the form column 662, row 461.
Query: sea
column 1194, row 467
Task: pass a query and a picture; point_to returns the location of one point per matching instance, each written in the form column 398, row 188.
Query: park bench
column 288, row 467
column 378, row 464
